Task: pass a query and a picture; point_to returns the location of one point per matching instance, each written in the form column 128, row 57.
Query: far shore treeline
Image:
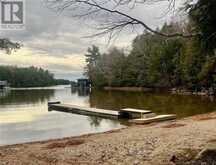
column 157, row 61
column 29, row 77
column 154, row 62
column 178, row 61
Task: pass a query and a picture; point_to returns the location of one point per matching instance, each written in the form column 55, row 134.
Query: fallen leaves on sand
column 212, row 141
column 64, row 144
column 209, row 116
column 174, row 125
column 43, row 158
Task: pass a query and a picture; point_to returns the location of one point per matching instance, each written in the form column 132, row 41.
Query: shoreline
column 40, row 88
column 136, row 144
column 129, row 89
column 62, row 139
column 177, row 91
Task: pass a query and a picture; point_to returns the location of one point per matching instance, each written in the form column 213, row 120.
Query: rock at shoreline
column 184, row 91
column 207, row 155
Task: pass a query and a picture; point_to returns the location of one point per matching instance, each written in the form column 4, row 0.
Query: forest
column 162, row 62
column 29, row 77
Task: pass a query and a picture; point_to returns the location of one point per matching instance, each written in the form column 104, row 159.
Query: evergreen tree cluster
column 157, row 61
column 154, row 61
column 29, row 77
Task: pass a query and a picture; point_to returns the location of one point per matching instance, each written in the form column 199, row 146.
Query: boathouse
column 83, row 83
column 3, row 84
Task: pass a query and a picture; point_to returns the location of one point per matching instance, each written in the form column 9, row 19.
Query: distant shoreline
column 132, row 89
column 41, row 88
column 178, row 91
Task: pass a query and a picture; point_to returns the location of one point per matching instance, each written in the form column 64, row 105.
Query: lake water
column 24, row 114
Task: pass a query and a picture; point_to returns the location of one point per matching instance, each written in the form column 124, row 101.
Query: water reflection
column 50, row 126
column 157, row 102
column 4, row 93
column 161, row 103
column 81, row 91
column 73, row 90
column 25, row 96
column 94, row 121
column 24, row 114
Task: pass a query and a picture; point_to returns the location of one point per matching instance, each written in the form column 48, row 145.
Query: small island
column 19, row 77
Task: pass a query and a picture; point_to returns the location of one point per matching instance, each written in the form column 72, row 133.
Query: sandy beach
column 165, row 143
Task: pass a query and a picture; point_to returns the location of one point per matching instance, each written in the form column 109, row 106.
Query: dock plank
column 158, row 118
column 85, row 110
column 134, row 113
column 135, row 110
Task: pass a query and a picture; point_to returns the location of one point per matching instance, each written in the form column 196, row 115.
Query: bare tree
column 8, row 46
column 111, row 18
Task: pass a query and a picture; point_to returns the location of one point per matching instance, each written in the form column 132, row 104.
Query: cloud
column 25, row 58
column 55, row 41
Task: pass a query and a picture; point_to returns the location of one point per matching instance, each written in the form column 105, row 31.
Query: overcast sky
column 56, row 41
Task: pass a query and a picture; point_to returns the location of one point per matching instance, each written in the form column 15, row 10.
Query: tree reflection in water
column 158, row 102
column 94, row 121
column 4, row 93
column 81, row 91
column 25, row 96
column 97, row 122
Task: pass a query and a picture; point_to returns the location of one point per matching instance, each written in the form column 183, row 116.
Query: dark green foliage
column 155, row 61
column 203, row 14
column 62, row 82
column 93, row 68
column 28, row 77
column 106, row 69
column 92, row 55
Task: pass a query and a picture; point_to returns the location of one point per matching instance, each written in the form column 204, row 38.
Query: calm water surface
column 24, row 115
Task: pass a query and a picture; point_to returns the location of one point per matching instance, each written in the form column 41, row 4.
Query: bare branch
column 92, row 8
column 9, row 46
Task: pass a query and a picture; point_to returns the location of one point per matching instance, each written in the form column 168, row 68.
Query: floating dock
column 134, row 113
column 85, row 110
column 137, row 116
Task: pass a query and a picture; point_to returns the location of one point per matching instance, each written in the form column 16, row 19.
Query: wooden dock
column 138, row 116
column 134, row 113
column 85, row 110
